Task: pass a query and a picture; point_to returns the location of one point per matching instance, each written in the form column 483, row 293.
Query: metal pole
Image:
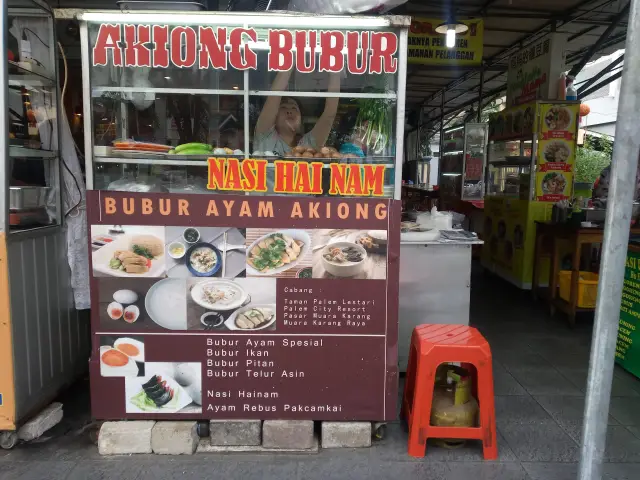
column 480, row 95
column 441, row 128
column 616, row 238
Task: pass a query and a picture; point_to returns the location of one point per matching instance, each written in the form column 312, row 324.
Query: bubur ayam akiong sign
column 227, row 305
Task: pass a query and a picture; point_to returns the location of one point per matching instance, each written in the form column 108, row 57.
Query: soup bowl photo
column 345, row 265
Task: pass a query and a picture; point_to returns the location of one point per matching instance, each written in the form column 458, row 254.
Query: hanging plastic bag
column 343, row 6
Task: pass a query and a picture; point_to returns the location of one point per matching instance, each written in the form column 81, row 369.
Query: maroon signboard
column 235, row 306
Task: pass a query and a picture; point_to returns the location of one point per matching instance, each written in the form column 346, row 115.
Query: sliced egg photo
column 131, row 314
column 115, row 310
column 131, row 347
column 115, row 363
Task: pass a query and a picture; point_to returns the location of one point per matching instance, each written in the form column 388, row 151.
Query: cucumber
column 189, row 146
column 194, row 151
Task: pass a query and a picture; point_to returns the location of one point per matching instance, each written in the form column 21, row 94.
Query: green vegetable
column 143, row 402
column 195, row 151
column 115, row 264
column 172, row 151
column 375, row 119
column 144, row 251
column 189, row 146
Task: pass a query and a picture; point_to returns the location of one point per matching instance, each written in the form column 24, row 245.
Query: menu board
column 236, row 306
column 556, row 151
column 628, row 346
column 514, row 122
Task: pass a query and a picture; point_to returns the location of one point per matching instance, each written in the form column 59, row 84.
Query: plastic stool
column 431, row 346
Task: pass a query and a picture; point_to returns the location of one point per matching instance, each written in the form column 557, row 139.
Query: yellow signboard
column 427, row 47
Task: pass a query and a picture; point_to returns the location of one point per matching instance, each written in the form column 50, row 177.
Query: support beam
column 600, row 74
column 597, row 87
column 598, row 44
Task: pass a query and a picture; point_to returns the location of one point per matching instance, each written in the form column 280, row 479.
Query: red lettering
column 160, row 50
column 384, row 46
column 357, row 40
column 280, row 50
column 250, row 59
column 301, row 54
column 183, row 37
column 331, row 59
column 136, row 54
column 212, row 52
column 107, row 39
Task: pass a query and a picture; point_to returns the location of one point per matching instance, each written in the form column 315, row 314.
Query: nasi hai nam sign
column 164, row 46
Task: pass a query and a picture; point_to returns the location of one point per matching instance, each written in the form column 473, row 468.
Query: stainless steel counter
column 434, row 287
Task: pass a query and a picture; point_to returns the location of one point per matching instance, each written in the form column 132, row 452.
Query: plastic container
column 587, row 288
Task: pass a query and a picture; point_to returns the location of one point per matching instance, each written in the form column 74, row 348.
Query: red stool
column 431, row 346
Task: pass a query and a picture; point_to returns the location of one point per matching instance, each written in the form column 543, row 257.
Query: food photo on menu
column 278, row 253
column 243, row 305
column 204, row 252
column 127, row 251
column 165, row 388
column 121, row 356
column 122, row 305
column 358, row 254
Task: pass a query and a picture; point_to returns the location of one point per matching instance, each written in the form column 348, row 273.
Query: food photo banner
column 160, row 46
column 236, row 306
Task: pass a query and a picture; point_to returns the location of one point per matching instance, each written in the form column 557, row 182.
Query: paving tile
column 625, row 410
column 542, row 442
column 544, row 381
column 213, row 468
column 635, row 430
column 621, row 386
column 34, row 470
column 551, row 471
column 348, row 470
column 621, row 471
column 486, row 471
column 565, row 409
column 504, row 383
column 116, row 467
column 622, row 446
column 518, row 360
column 519, row 409
column 569, row 471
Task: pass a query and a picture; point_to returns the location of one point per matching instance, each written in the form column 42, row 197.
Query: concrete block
column 205, row 447
column 46, row 419
column 286, row 434
column 346, row 434
column 123, row 438
column 235, row 432
column 174, row 437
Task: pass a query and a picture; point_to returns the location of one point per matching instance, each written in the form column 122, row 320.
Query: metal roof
column 508, row 26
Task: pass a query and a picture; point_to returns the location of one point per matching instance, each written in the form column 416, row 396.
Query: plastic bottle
column 562, row 87
column 572, row 93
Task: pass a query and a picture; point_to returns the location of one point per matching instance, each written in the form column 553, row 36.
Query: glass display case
column 153, row 128
column 32, row 166
column 462, row 163
column 475, row 156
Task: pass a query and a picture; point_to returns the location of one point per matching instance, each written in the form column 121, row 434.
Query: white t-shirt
column 271, row 141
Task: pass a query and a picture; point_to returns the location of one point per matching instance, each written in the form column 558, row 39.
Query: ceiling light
column 450, row 28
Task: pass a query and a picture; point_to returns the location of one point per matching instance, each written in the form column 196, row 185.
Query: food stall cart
column 530, row 167
column 42, row 341
column 462, row 164
column 233, row 277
